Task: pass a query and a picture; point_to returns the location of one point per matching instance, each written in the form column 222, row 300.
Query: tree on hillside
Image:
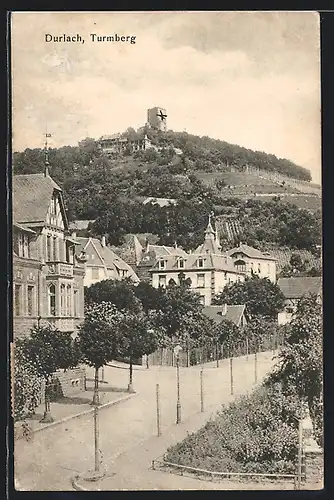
column 300, row 361
column 100, row 338
column 260, row 295
column 49, row 349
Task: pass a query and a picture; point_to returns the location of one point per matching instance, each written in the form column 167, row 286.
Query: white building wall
column 99, row 274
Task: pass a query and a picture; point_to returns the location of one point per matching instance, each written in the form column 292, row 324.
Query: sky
column 248, row 78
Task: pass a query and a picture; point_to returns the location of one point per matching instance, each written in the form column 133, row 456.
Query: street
column 55, row 454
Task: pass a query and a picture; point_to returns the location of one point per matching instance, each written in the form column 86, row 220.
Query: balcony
column 59, row 269
column 63, row 324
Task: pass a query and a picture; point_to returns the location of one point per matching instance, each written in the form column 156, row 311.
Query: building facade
column 116, row 143
column 251, row 261
column 157, row 118
column 102, row 263
column 47, row 276
column 294, row 289
column 207, row 270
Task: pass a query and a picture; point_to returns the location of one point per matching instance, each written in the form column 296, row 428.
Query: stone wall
column 72, row 381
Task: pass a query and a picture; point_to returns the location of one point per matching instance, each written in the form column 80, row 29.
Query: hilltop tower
column 157, row 118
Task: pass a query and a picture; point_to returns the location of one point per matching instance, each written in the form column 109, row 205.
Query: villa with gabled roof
column 102, row 263
column 207, row 270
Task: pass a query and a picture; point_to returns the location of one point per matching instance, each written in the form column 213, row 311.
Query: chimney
column 74, row 234
column 224, row 310
column 103, row 241
column 175, row 244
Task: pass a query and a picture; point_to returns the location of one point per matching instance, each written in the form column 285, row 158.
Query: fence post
column 202, row 391
column 158, row 412
column 231, row 374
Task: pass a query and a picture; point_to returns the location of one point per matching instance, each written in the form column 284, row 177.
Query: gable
column 92, row 255
column 55, row 214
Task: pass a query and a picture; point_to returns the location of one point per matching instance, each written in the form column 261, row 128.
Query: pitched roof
column 233, row 313
column 208, row 246
column 218, row 262
column 294, row 288
column 106, row 256
column 250, row 252
column 80, row 224
column 32, row 194
column 162, row 202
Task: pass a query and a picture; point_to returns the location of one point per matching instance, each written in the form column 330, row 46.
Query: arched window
column 240, row 265
column 52, row 300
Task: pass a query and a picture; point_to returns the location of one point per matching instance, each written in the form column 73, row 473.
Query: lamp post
column 177, row 350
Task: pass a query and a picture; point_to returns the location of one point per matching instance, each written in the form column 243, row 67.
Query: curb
column 112, row 365
column 78, row 415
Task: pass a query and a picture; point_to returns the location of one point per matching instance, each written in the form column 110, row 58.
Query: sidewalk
column 72, row 407
column 132, row 469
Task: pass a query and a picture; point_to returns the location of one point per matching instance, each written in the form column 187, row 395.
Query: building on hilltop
column 157, row 118
column 116, row 143
column 207, row 270
column 293, row 290
column 251, row 261
column 162, row 202
column 102, row 263
column 47, row 276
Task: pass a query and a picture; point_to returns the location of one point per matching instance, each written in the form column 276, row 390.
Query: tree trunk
column 47, row 418
column 96, row 400
column 130, row 387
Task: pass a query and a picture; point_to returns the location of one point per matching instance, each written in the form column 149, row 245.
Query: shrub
column 256, row 433
column 27, row 385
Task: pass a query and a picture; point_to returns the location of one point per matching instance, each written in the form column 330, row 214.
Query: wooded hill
column 111, row 191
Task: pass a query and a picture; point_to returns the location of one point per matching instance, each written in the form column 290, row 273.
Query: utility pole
column 178, row 403
column 231, row 374
column 202, row 389
column 158, row 410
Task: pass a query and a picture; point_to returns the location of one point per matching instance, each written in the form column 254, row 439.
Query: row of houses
column 51, row 264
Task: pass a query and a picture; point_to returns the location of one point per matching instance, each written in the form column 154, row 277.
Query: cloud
column 248, row 79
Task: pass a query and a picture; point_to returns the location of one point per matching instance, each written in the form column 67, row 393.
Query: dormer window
column 200, row 262
column 181, row 263
column 240, row 265
column 162, row 264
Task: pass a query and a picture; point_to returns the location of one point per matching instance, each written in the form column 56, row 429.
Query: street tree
column 195, row 330
column 120, row 293
column 178, row 302
column 49, row 349
column 142, row 336
column 261, row 296
column 100, row 338
column 299, row 364
column 226, row 333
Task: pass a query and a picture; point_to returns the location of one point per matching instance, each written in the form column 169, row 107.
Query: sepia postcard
column 167, row 251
